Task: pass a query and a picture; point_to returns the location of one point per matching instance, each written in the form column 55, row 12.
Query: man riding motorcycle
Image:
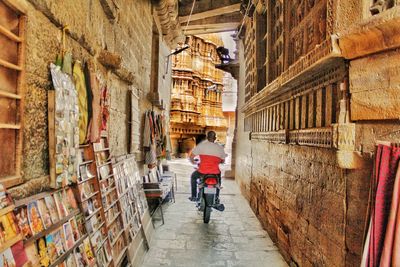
column 211, row 155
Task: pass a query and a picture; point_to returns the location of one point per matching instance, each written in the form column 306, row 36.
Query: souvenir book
column 5, row 199
column 8, row 227
column 68, row 235
column 62, row 212
column 35, row 221
column 71, row 199
column 21, row 216
column 51, row 248
column 19, row 254
column 7, row 259
column 80, row 221
column 67, row 202
column 101, row 257
column 51, row 206
column 87, row 249
column 75, row 231
column 79, row 257
column 71, row 261
column 44, row 258
column 32, row 254
column 107, row 250
column 44, row 213
column 58, row 240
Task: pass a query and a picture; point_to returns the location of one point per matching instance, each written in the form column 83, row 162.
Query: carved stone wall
column 307, row 138
column 307, row 110
column 196, row 100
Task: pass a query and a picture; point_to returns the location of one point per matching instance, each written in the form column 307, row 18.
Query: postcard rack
column 87, row 192
column 110, row 200
column 51, row 231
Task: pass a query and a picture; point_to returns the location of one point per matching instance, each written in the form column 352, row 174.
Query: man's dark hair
column 211, row 136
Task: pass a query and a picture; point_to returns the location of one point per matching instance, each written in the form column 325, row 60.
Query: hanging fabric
column 80, row 84
column 383, row 186
column 390, row 246
column 104, row 105
column 94, row 104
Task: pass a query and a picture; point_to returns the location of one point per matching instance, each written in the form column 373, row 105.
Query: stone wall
column 125, row 29
column 312, row 208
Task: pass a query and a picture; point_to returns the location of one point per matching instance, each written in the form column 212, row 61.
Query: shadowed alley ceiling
column 210, row 16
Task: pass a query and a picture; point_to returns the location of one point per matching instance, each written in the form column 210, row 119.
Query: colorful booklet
column 68, row 235
column 19, row 254
column 35, row 221
column 58, row 237
column 51, row 206
column 80, row 221
column 51, row 248
column 22, row 220
column 70, row 197
column 44, row 213
column 32, row 254
column 79, row 256
column 87, row 249
column 7, row 259
column 70, row 261
column 62, row 211
column 75, row 231
column 44, row 258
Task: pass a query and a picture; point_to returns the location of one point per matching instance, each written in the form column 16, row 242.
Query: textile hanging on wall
column 80, row 84
column 155, row 137
column 94, row 104
column 104, row 107
column 381, row 237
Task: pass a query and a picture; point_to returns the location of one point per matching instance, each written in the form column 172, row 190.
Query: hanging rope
column 190, row 16
column 244, row 17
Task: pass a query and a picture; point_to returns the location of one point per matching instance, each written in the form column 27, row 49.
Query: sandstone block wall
column 314, row 210
column 90, row 30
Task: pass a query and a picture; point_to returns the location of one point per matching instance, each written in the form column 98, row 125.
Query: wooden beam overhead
column 222, row 26
column 207, row 31
column 230, row 17
column 211, row 28
column 211, row 13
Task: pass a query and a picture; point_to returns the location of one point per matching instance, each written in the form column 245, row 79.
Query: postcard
column 35, row 221
column 75, row 230
column 7, row 259
column 22, row 220
column 51, row 206
column 58, row 241
column 44, row 213
column 51, row 248
column 68, row 235
column 62, row 211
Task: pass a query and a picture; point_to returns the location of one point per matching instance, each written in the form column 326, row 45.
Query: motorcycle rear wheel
column 208, row 199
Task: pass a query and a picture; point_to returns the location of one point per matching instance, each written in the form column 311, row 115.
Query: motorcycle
column 207, row 187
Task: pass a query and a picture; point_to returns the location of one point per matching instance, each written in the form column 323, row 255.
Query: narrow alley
column 233, row 237
column 103, row 104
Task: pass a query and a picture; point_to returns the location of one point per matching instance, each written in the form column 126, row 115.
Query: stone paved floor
column 232, row 238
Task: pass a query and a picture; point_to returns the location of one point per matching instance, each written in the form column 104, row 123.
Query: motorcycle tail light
column 211, row 181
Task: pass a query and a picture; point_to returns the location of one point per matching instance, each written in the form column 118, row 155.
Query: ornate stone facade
column 196, row 99
column 307, row 135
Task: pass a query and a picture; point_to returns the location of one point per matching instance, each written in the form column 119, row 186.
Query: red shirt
column 211, row 155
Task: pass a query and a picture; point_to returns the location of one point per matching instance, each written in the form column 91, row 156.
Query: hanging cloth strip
column 386, row 164
column 80, row 84
column 93, row 104
column 392, row 239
